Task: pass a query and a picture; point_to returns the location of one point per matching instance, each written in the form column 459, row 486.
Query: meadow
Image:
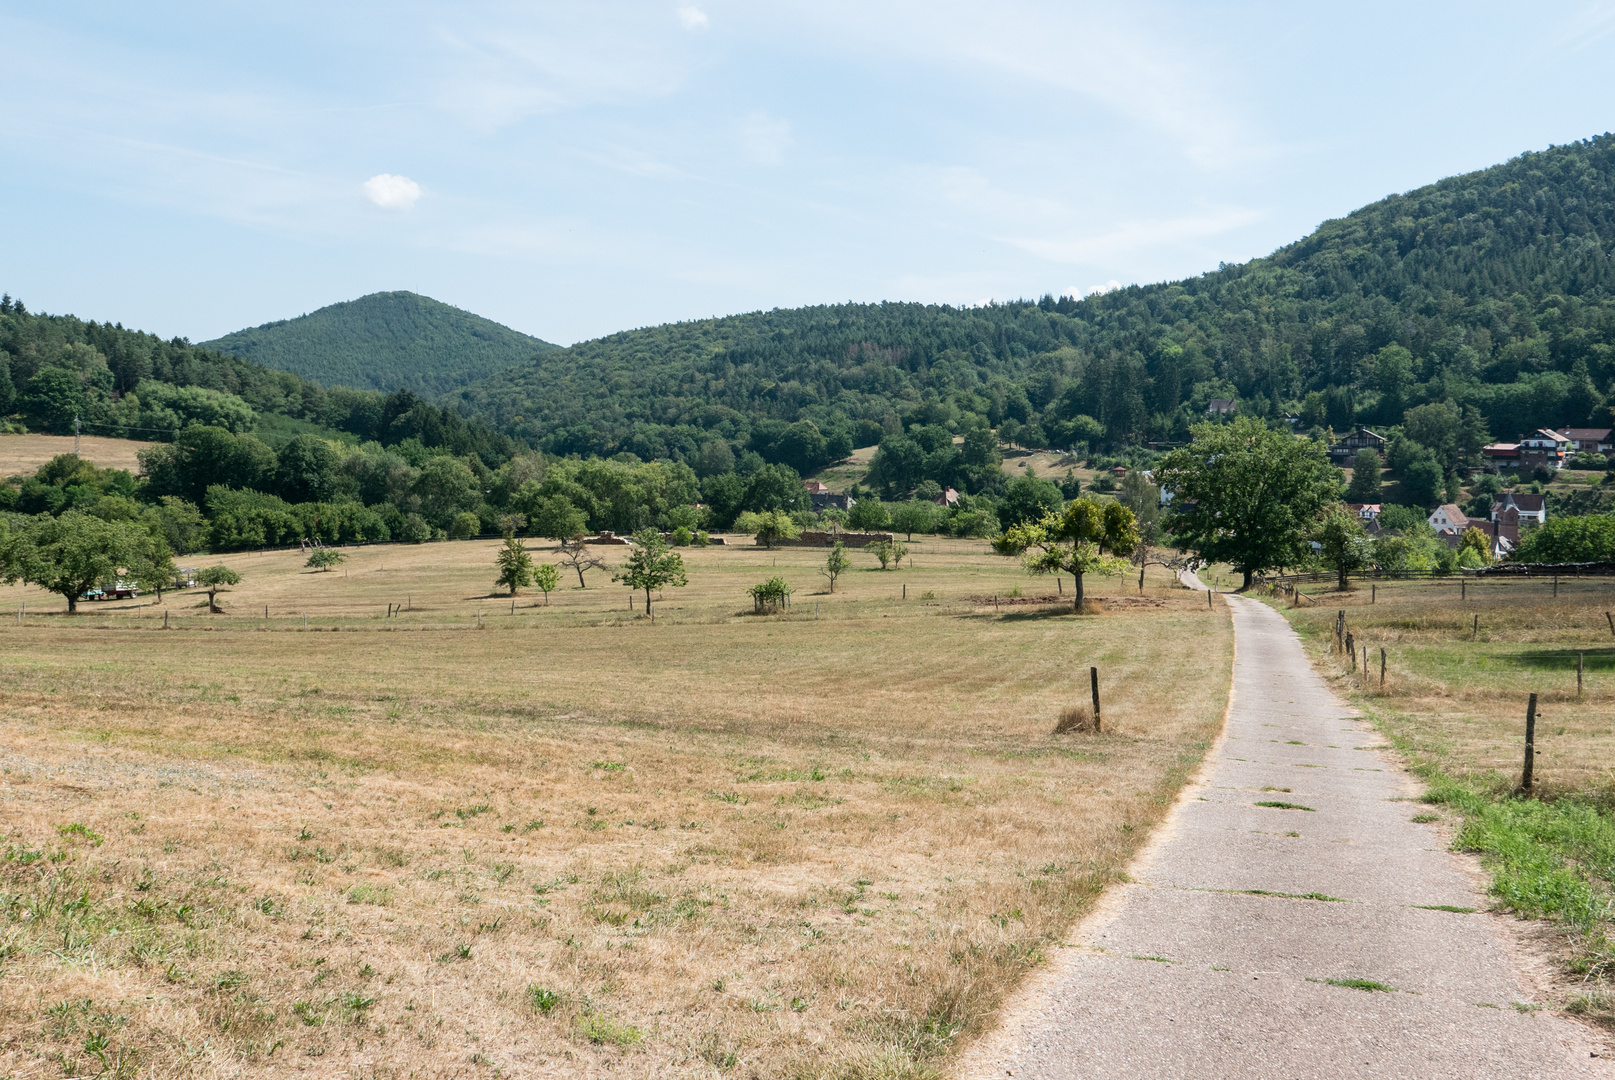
column 476, row 839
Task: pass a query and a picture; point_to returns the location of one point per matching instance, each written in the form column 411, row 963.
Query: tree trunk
column 212, row 602
column 579, row 569
column 1342, row 576
column 1076, row 598
column 1248, row 575
column 647, row 599
column 72, row 603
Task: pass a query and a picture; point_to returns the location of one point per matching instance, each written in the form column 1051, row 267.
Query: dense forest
column 385, row 341
column 1488, row 294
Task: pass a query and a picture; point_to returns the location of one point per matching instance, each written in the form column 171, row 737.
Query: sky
column 574, row 169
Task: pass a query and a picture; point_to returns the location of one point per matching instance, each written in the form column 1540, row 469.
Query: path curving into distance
column 1210, row 964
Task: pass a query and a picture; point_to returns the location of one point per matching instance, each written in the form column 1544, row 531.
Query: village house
column 1502, row 455
column 1447, row 516
column 1221, row 406
column 822, row 498
column 1522, row 505
column 1361, row 439
column 1543, row 447
column 948, row 498
column 1585, row 440
column 1365, row 512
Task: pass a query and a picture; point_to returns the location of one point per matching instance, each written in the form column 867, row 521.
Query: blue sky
column 572, row 169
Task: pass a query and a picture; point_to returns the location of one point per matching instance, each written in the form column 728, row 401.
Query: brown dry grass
column 571, row 843
column 26, row 453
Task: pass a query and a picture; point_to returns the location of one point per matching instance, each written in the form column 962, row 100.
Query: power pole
column 75, row 436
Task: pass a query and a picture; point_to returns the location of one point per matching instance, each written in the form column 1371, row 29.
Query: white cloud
column 692, row 17
column 1128, row 238
column 764, row 138
column 1093, row 290
column 392, row 192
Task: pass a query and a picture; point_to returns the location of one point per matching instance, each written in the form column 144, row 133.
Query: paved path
column 1193, row 972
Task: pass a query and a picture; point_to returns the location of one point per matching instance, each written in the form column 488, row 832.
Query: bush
column 681, row 537
column 769, row 596
column 415, row 530
column 1544, row 474
column 701, row 539
column 464, row 526
column 1592, row 462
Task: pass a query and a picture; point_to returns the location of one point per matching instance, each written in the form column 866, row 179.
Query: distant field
column 26, row 453
column 819, row 844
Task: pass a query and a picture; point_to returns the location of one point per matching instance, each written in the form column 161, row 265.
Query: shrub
column 769, row 596
column 464, row 526
column 681, row 537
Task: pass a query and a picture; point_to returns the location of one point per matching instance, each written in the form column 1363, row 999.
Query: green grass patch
column 1368, row 985
column 1297, row 896
column 1456, row 910
column 1278, row 805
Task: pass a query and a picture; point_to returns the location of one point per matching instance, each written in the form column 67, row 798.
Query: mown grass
column 1460, row 664
column 572, row 841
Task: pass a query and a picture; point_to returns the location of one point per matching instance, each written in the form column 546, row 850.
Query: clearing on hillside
column 24, row 454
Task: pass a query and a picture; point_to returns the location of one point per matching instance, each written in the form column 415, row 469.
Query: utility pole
column 75, row 436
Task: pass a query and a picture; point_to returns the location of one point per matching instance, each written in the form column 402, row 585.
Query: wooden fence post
column 1474, row 634
column 1093, row 677
column 1530, row 745
column 1373, row 594
column 1611, row 620
column 1382, row 667
column 1581, row 663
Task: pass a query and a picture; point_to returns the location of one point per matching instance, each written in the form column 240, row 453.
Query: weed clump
column 1078, row 718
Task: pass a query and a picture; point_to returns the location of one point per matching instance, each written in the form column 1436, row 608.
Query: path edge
column 976, row 1060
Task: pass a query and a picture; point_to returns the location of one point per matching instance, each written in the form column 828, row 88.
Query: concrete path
column 1202, row 969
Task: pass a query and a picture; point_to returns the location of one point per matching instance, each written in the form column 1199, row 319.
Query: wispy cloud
column 764, row 138
column 392, row 192
column 1093, row 290
column 692, row 17
column 1130, row 237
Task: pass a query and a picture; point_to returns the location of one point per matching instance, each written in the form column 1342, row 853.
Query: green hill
column 1491, row 291
column 385, row 341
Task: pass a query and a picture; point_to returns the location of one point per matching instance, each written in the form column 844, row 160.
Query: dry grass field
column 570, row 842
column 21, row 454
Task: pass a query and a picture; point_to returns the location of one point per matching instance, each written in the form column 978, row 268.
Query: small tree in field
column 769, row 596
column 546, row 577
column 216, row 578
column 69, row 554
column 650, row 565
column 835, row 564
column 772, row 525
column 324, row 559
column 575, row 555
column 1085, row 538
column 515, row 565
column 887, row 552
column 1343, row 543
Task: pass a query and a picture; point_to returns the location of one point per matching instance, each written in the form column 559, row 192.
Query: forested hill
column 1490, row 290
column 386, row 341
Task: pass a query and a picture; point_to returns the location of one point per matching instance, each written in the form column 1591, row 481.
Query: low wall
column 825, row 539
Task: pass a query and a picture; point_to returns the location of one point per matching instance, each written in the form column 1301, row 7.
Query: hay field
column 570, row 843
column 1457, row 690
column 21, row 454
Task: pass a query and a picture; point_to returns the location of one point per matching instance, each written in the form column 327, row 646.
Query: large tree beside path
column 1246, row 494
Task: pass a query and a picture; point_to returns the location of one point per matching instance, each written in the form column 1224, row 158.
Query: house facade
column 1361, row 439
column 1590, row 440
column 1448, row 517
column 1543, row 447
column 1502, row 455
column 1520, row 506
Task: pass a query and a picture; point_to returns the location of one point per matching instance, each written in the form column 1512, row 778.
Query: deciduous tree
column 515, row 566
column 1246, row 494
column 546, row 577
column 72, row 553
column 1088, row 537
column 215, row 578
column 650, row 565
column 835, row 564
column 575, row 555
column 325, row 559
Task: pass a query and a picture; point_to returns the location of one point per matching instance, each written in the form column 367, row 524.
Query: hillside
column 1490, row 291
column 385, row 341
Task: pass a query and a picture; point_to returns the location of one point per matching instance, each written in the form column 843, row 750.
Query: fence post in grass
column 165, row 620
column 1382, row 667
column 905, row 590
column 513, row 607
column 995, row 602
column 1530, row 744
column 1351, row 650
column 1581, row 663
column 266, row 611
column 1373, row 594
column 1474, row 633
column 1611, row 620
column 1093, row 678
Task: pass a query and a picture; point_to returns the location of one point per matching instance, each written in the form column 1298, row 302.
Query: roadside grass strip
column 1298, row 896
column 1548, row 860
column 1277, row 804
column 1453, row 908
